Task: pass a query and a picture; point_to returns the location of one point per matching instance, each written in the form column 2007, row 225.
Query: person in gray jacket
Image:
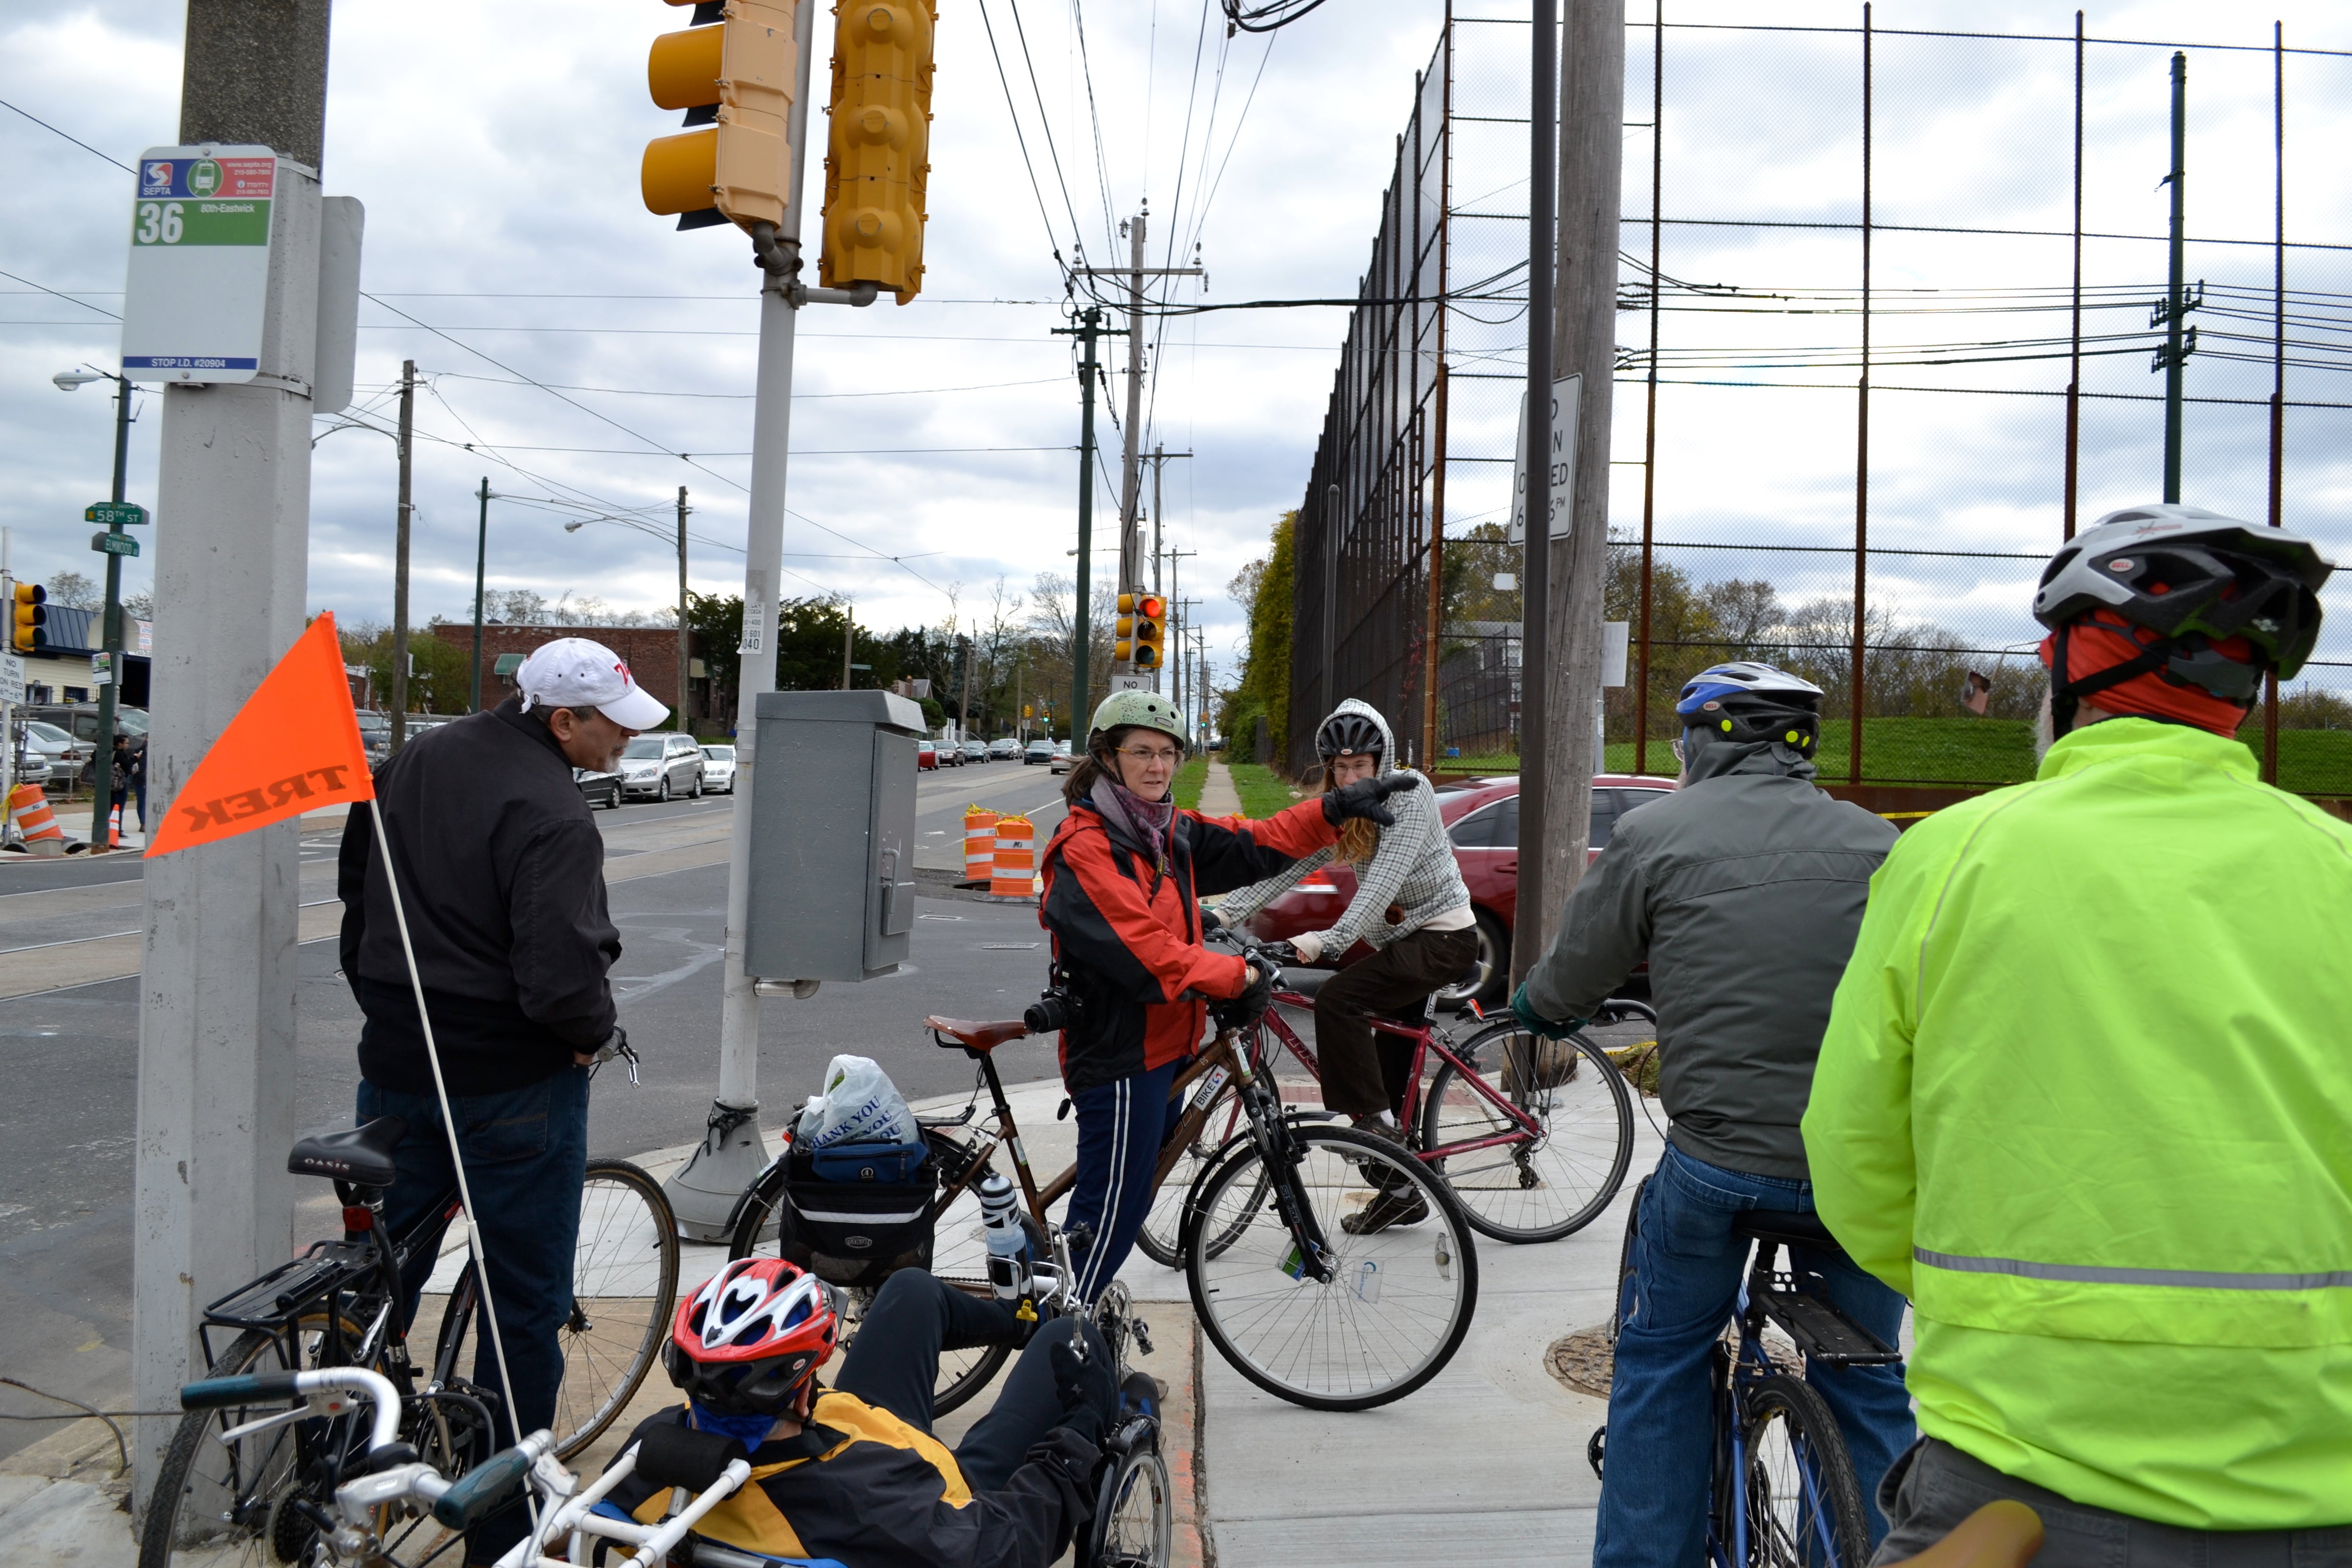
column 1743, row 890
column 1411, row 908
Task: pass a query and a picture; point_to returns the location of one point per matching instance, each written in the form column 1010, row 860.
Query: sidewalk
column 1482, row 1467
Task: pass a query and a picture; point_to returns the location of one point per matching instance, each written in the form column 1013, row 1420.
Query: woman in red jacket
column 1123, row 875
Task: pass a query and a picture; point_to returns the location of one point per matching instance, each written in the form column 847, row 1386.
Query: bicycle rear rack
column 1823, row 1333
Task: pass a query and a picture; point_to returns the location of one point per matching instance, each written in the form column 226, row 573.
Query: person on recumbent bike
column 852, row 1471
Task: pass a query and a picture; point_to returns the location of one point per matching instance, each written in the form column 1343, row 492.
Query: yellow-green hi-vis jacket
column 2086, row 1100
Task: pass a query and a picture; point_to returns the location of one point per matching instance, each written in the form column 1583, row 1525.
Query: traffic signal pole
column 110, row 639
column 1088, row 330
column 212, row 1205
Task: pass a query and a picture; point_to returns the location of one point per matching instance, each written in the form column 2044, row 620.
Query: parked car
column 1482, row 817
column 64, row 757
column 927, row 755
column 1062, row 762
column 976, row 752
column 951, row 753
column 1005, row 749
column 81, row 719
column 1038, row 751
column 718, row 769
column 598, row 788
column 662, row 765
column 375, row 734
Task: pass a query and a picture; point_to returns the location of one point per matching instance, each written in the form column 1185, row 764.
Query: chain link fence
column 1887, row 320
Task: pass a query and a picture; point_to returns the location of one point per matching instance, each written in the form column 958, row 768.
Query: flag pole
column 456, row 1153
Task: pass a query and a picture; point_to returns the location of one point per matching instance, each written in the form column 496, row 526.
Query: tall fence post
column 1862, row 440
column 1650, row 419
column 2278, row 358
column 2074, row 331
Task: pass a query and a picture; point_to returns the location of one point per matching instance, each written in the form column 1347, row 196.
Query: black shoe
column 1373, row 1126
column 1140, row 1394
column 1390, row 1206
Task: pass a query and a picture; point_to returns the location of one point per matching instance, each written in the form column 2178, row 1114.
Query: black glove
column 1240, row 1012
column 1083, row 1385
column 1071, row 1461
column 1280, row 953
column 1363, row 799
column 1210, row 923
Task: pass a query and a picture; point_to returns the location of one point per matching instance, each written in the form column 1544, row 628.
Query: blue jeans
column 1121, row 1125
column 526, row 1161
column 1687, row 1268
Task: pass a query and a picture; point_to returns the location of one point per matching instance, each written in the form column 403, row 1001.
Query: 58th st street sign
column 199, row 279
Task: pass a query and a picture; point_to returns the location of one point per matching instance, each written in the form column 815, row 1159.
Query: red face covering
column 2103, row 640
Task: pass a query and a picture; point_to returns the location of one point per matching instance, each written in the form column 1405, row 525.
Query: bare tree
column 72, row 590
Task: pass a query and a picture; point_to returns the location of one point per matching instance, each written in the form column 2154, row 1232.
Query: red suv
column 1481, row 815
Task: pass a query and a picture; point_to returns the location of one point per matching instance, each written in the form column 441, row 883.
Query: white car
column 57, row 746
column 718, row 769
column 662, row 765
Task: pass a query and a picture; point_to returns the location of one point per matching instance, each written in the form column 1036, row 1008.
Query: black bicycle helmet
column 1747, row 699
column 1345, row 735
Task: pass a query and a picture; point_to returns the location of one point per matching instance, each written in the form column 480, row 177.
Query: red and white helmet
column 747, row 1342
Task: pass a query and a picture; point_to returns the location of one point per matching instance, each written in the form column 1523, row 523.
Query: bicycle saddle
column 1788, row 1227
column 360, row 1155
column 974, row 1036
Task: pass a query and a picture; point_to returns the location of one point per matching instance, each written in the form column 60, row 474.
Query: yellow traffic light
column 1151, row 630
column 877, row 163
column 27, row 618
column 732, row 74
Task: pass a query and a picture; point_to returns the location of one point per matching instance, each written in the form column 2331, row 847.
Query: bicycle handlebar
column 473, row 1495
column 268, row 1387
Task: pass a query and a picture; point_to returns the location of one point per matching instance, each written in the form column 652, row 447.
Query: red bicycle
column 1533, row 1136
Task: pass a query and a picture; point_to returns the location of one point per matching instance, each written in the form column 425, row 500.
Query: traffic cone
column 114, row 827
column 1014, row 869
column 979, row 846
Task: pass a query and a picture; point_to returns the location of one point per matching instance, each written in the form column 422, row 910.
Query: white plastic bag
column 860, row 1105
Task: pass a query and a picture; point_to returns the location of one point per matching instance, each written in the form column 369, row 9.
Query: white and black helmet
column 2194, row 578
column 1747, row 699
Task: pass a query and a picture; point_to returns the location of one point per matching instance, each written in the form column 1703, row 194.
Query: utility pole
column 1130, row 530
column 213, row 1203
column 686, row 725
column 848, row 638
column 1159, row 460
column 1183, row 648
column 2172, row 358
column 111, row 636
column 1088, row 331
column 1584, row 344
column 1535, row 574
column 963, row 714
column 400, row 559
column 481, row 561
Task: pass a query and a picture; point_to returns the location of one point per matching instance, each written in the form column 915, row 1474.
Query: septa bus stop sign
column 199, row 279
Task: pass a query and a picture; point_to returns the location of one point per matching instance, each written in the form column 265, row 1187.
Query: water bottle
column 1008, row 1248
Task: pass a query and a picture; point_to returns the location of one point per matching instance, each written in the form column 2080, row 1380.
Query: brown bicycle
column 1300, row 1306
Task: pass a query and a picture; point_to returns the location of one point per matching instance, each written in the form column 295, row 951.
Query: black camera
column 1054, row 1010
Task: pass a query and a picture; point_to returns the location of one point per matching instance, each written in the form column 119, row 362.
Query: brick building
column 650, row 652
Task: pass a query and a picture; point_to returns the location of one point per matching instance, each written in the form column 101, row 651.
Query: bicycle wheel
column 1135, row 1514
column 1804, row 1505
column 1161, row 1236
column 958, row 1260
column 220, row 1501
column 624, row 1290
column 1398, row 1300
column 1531, row 1188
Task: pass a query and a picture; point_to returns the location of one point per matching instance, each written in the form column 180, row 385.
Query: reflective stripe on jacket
column 2085, row 1098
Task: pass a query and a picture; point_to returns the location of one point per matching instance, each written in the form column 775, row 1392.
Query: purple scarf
column 1151, row 822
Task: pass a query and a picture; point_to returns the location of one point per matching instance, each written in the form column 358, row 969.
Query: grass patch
column 1187, row 783
column 1262, row 791
column 2310, row 762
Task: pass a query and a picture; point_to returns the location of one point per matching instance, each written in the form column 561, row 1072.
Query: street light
column 111, row 632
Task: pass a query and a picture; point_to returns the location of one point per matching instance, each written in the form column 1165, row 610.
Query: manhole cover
column 1582, row 1361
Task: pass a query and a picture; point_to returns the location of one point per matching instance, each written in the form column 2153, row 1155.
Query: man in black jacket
column 502, row 874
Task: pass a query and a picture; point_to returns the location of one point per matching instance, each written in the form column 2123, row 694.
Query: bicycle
column 1782, row 1490
column 250, row 1483
column 1355, row 1320
column 1535, row 1145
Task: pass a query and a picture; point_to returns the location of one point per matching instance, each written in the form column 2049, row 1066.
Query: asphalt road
column 67, row 1116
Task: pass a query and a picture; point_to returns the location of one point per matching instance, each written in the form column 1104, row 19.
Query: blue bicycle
column 1782, row 1488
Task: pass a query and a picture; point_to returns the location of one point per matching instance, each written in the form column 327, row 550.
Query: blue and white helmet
column 1744, row 677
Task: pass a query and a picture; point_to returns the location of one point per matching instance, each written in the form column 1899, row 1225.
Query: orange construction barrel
column 1015, row 872
column 978, row 846
column 29, row 808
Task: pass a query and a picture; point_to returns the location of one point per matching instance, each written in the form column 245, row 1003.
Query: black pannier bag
column 857, row 1213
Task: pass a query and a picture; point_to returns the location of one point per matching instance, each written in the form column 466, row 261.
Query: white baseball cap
column 573, row 672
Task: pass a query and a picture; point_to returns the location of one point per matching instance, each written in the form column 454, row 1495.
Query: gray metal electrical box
column 832, row 835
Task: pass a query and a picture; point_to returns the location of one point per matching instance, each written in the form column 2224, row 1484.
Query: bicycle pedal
column 1142, row 1333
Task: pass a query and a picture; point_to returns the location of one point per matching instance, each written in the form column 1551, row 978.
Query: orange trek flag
column 294, row 747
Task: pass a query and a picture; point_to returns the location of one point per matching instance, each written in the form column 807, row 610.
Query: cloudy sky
column 497, row 150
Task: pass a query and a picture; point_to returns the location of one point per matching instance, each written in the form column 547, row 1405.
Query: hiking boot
column 1387, row 1131
column 1390, row 1206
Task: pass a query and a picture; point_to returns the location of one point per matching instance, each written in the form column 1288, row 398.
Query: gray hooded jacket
column 1743, row 889
column 1412, row 871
